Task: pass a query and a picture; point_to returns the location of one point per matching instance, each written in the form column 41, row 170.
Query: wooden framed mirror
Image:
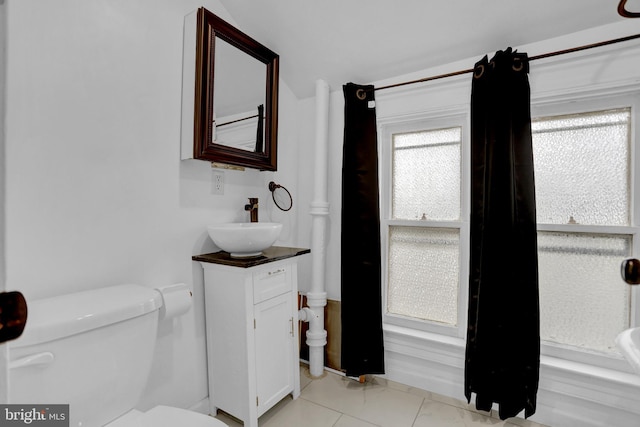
column 236, row 96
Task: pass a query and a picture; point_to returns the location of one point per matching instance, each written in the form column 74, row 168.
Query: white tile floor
column 336, row 401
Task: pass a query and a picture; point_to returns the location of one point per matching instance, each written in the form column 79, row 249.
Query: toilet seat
column 166, row 416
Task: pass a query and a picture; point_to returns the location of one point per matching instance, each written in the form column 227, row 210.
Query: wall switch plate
column 218, row 182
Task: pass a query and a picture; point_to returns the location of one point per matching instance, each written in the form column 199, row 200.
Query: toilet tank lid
column 65, row 315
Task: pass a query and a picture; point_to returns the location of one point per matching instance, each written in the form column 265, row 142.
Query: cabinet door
column 273, row 340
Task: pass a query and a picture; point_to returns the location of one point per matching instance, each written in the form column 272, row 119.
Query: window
column 583, row 168
column 426, row 174
column 423, row 273
column 425, row 228
column 423, row 261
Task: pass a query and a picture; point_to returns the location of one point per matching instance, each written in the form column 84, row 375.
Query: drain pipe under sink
column 317, row 296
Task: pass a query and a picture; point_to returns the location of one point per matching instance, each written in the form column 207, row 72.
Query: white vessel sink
column 244, row 239
column 629, row 344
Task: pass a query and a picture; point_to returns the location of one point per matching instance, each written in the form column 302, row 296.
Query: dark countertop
column 274, row 253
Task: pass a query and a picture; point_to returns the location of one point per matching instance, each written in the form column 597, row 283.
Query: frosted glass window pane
column 426, row 175
column 583, row 301
column 423, row 273
column 582, row 168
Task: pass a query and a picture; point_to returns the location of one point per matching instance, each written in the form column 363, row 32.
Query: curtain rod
column 532, row 58
column 237, row 120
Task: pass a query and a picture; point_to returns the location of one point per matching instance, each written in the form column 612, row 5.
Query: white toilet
column 93, row 350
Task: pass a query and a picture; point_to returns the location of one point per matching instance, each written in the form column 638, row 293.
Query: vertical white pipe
column 317, row 296
column 322, row 141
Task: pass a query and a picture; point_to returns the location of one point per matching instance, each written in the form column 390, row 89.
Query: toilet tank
column 92, row 350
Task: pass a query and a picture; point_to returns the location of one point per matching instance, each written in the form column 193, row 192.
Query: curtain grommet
column 520, row 64
column 478, row 72
column 361, row 94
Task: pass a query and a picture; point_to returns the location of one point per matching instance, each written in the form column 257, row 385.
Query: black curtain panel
column 362, row 343
column 503, row 336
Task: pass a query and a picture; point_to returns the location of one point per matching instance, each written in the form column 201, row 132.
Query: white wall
column 571, row 394
column 96, row 194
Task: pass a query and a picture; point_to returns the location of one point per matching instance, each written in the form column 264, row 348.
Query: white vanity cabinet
column 252, row 335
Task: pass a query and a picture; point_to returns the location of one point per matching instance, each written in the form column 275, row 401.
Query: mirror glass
column 236, row 96
column 239, row 97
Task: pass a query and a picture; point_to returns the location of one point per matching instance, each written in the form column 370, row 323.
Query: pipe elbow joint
column 305, row 314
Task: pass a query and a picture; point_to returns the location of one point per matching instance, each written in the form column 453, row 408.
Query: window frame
column 458, row 117
column 543, row 106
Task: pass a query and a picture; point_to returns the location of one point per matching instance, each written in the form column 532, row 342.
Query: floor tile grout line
column 418, row 413
column 355, row 418
column 321, row 405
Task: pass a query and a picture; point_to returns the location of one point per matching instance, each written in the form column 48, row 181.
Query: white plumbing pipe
column 322, row 142
column 317, row 296
column 305, row 314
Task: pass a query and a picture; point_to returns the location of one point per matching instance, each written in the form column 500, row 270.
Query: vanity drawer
column 270, row 283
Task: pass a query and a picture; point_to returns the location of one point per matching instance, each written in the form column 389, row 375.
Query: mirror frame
column 210, row 26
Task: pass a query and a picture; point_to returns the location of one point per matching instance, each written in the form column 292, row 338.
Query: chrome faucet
column 252, row 207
